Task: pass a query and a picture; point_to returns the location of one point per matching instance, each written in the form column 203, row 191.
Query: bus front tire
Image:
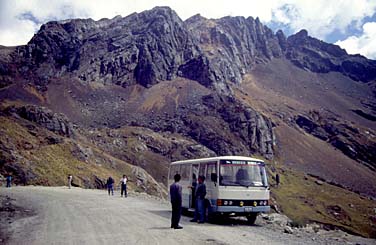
column 251, row 218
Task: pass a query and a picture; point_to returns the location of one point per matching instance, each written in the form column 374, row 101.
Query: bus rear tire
column 251, row 218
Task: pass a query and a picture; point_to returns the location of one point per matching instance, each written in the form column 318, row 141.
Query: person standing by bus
column 176, row 201
column 193, row 190
column 200, row 201
column 123, row 183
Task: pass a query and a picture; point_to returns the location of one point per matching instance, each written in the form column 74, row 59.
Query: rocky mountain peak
column 143, row 48
column 156, row 45
column 233, row 45
column 318, row 56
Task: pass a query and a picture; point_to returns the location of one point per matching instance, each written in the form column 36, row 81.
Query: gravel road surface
column 58, row 215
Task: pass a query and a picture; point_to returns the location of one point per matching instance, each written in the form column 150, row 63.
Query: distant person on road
column 176, row 201
column 110, row 185
column 200, row 201
column 123, row 183
column 70, row 177
column 277, row 180
column 9, row 181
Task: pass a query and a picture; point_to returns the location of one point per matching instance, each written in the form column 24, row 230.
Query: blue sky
column 348, row 23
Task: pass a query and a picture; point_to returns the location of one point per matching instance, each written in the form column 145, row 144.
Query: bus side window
column 211, row 174
column 185, row 172
column 202, row 169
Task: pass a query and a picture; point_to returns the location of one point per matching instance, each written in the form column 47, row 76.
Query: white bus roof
column 218, row 158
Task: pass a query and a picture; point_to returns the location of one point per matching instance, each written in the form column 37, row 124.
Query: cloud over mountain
column 364, row 44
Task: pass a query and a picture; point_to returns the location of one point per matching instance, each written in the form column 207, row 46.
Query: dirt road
column 76, row 216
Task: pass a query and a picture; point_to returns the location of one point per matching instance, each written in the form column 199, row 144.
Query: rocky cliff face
column 154, row 46
column 317, row 56
column 233, row 45
column 44, row 117
column 142, row 48
column 157, row 45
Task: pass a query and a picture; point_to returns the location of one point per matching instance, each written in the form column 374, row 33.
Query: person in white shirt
column 123, row 183
column 70, row 177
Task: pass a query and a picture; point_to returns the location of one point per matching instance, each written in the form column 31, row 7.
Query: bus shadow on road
column 223, row 221
column 231, row 221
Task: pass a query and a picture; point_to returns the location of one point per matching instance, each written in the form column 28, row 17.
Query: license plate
column 247, row 209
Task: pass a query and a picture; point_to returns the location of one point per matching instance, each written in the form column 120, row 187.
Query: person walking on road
column 176, row 201
column 9, row 181
column 123, row 183
column 70, row 177
column 110, row 185
column 200, row 194
column 277, row 179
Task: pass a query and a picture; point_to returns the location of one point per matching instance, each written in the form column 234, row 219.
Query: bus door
column 194, row 181
column 211, row 184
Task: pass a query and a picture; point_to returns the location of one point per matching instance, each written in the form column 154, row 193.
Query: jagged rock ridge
column 157, row 45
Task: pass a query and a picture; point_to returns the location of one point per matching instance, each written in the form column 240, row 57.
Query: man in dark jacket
column 200, row 201
column 110, row 185
column 9, row 181
column 176, row 200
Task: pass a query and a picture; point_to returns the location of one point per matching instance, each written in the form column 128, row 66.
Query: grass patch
column 303, row 200
column 53, row 163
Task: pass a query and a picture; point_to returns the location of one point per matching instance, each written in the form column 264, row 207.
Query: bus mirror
column 213, row 177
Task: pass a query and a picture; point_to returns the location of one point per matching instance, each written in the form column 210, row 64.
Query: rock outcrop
column 345, row 137
column 55, row 122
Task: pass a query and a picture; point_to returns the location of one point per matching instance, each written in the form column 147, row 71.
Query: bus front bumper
column 244, row 209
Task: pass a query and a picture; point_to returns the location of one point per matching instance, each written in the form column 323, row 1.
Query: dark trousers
column 176, row 213
column 110, row 189
column 124, row 190
column 9, row 184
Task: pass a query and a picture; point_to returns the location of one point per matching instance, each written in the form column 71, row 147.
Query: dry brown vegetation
column 39, row 162
column 306, row 199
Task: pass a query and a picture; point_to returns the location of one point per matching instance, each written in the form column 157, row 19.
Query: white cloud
column 322, row 17
column 319, row 17
column 365, row 44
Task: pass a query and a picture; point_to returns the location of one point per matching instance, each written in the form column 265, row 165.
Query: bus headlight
column 225, row 203
column 229, row 202
column 241, row 203
column 264, row 203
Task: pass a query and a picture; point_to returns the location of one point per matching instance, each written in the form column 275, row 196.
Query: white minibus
column 235, row 185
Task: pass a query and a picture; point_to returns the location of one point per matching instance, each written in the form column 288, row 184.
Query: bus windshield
column 242, row 173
